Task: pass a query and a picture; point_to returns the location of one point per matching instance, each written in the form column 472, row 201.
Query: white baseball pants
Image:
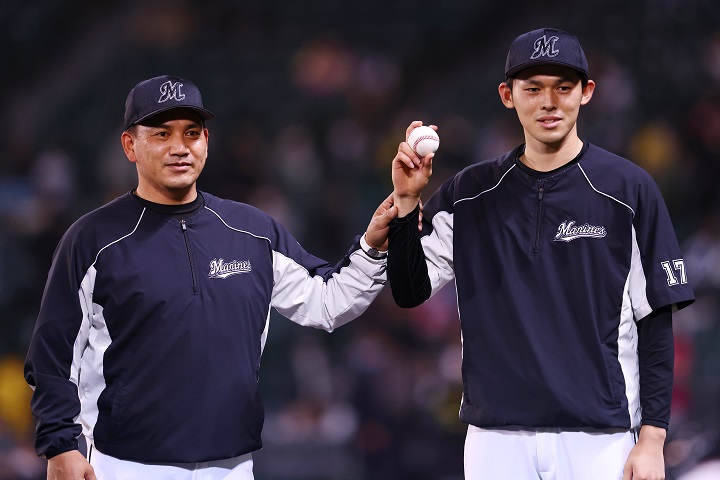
column 546, row 454
column 111, row 468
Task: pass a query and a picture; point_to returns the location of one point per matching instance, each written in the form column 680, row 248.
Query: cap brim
column 518, row 68
column 204, row 114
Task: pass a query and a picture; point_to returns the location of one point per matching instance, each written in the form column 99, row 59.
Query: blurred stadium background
column 311, row 99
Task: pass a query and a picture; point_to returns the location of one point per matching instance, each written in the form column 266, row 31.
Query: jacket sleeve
column 658, row 274
column 51, row 366
column 311, row 292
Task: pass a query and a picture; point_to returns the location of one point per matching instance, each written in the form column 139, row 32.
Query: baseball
column 424, row 140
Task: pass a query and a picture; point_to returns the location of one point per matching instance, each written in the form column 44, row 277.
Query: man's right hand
column 410, row 174
column 70, row 466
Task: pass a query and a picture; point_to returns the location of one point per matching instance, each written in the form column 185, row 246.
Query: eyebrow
column 192, row 124
column 559, row 81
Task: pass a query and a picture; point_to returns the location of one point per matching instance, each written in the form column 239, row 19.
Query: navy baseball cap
column 546, row 46
column 160, row 94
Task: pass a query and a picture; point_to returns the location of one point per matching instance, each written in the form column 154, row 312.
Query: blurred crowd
column 311, row 100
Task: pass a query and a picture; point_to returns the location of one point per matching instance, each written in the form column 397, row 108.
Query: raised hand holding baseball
column 411, row 171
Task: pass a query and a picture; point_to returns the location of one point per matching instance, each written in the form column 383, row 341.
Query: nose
column 549, row 102
column 179, row 146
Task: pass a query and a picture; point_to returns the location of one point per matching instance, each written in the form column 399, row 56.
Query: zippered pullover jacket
column 553, row 271
column 151, row 329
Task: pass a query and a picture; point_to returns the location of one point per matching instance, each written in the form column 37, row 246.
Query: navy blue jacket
column 151, row 329
column 553, row 272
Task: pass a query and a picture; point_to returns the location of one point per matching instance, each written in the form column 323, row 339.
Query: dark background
column 311, row 100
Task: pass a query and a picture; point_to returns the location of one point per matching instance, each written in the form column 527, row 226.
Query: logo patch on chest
column 568, row 231
column 219, row 268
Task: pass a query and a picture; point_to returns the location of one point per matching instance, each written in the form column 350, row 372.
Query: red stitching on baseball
column 421, row 138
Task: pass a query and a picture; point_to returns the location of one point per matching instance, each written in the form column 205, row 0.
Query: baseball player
column 156, row 309
column 567, row 271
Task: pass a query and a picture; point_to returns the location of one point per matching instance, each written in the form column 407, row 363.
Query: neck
column 167, row 197
column 544, row 157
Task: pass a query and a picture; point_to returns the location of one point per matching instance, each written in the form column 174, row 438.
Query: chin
column 552, row 138
column 181, row 183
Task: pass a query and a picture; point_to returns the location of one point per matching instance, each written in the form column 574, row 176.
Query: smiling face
column 169, row 151
column 547, row 100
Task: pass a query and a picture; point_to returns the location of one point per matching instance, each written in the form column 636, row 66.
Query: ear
column 506, row 95
column 587, row 92
column 128, row 144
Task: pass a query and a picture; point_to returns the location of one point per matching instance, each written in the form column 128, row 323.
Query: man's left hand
column 646, row 461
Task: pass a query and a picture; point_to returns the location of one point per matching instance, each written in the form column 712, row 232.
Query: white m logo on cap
column 169, row 90
column 545, row 47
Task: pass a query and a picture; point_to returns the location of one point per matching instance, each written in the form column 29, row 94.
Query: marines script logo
column 567, row 231
column 170, row 90
column 220, row 269
column 545, row 47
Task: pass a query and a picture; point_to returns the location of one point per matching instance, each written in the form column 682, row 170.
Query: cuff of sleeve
column 370, row 251
column 55, row 452
column 410, row 217
column 655, row 423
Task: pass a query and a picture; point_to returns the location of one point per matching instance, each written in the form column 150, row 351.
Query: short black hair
column 509, row 81
column 132, row 129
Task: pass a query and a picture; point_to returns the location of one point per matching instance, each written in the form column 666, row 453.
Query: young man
column 567, row 270
column 156, row 310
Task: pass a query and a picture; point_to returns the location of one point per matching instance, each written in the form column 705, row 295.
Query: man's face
column 169, row 150
column 547, row 100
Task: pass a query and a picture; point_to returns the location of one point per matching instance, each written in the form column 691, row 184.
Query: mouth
column 549, row 121
column 179, row 166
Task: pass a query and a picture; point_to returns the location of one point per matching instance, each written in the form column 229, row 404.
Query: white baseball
column 423, row 140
